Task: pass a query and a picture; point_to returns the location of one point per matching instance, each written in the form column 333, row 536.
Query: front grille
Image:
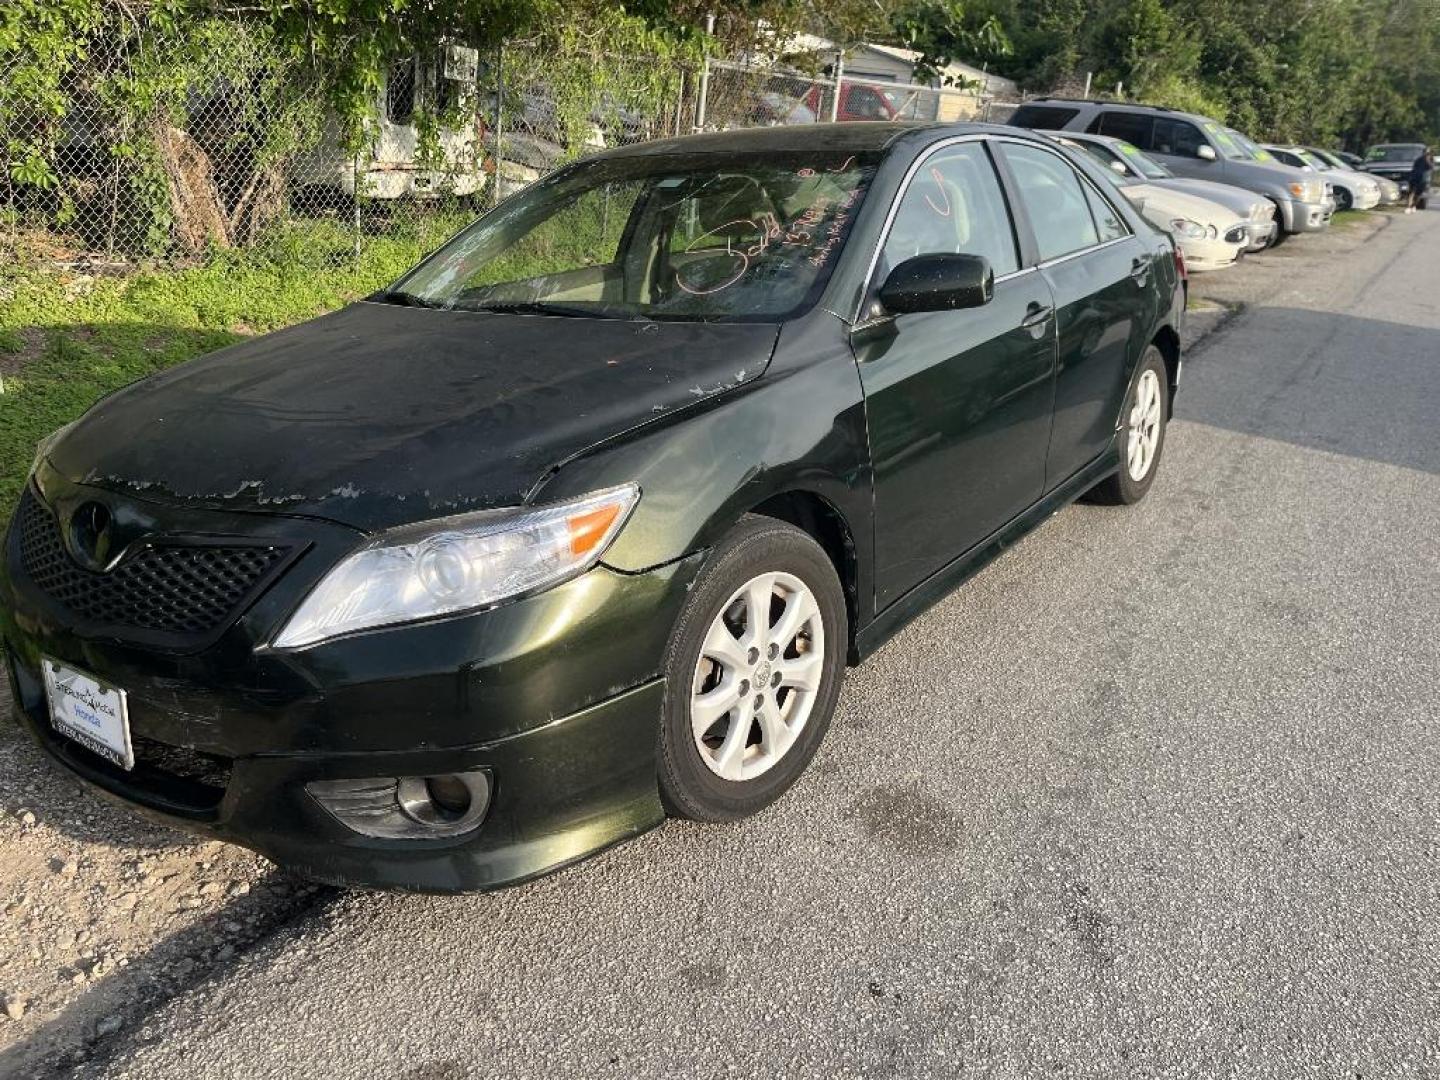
column 182, row 763
column 177, row 591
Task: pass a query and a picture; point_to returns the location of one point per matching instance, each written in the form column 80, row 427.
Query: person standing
column 1420, row 173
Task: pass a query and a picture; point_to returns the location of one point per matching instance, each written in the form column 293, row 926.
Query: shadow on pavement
column 1359, row 387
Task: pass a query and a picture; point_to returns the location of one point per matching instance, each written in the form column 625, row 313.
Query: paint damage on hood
column 379, row 415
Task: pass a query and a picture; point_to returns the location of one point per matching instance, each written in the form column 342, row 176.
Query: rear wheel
column 1142, row 434
column 752, row 673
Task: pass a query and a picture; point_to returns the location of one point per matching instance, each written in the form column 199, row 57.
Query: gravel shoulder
column 105, row 914
column 107, row 917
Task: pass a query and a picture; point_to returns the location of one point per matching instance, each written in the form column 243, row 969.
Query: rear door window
column 954, row 206
column 1132, row 127
column 1108, row 221
column 1055, row 201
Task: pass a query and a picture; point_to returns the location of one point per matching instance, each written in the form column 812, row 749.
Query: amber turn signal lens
column 588, row 529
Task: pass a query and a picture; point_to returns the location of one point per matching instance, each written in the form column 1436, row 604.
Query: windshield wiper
column 535, row 307
column 405, row 299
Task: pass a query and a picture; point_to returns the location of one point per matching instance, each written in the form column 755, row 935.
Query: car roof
column 852, row 135
column 1133, row 106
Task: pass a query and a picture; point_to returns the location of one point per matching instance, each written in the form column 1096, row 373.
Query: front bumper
column 557, row 695
column 1302, row 217
column 1366, row 200
column 1203, row 255
column 1261, row 232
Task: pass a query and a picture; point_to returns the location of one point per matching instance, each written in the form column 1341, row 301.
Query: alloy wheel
column 1144, row 426
column 758, row 676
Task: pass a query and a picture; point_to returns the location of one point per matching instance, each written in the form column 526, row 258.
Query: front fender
column 798, row 428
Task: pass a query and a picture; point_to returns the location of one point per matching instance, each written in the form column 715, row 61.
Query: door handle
column 1036, row 316
column 1140, row 270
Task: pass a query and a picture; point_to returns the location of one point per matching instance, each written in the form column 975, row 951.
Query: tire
column 1343, row 199
column 1125, row 487
column 723, row 772
column 1280, row 235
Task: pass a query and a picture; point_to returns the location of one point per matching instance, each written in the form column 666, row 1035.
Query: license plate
column 90, row 712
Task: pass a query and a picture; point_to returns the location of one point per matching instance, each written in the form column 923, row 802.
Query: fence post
column 839, row 79
column 499, row 123
column 700, row 106
column 355, row 203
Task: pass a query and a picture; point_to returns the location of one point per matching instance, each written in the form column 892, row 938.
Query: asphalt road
column 1156, row 795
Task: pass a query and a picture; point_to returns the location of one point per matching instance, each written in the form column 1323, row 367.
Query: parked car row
column 578, row 523
column 1220, row 194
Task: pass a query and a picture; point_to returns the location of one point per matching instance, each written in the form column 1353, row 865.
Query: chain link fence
column 740, row 95
column 241, row 151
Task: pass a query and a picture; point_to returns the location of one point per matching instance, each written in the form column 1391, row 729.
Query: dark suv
column 1192, row 146
column 580, row 521
column 1394, row 161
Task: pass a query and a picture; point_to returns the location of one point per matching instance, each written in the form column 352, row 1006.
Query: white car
column 1129, row 161
column 1209, row 236
column 1353, row 190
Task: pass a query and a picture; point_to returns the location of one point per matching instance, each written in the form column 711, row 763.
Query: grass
column 1348, row 219
column 67, row 339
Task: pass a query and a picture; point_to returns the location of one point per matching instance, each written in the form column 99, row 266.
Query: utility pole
column 839, row 75
column 703, row 103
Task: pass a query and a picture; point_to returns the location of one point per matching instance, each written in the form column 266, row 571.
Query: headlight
column 459, row 564
column 1211, row 231
column 1298, row 190
column 1187, row 228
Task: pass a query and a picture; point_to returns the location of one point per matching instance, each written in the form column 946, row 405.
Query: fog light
column 407, row 807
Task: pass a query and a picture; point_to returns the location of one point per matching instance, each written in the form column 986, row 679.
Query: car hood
column 1237, row 199
column 1348, row 176
column 1271, row 172
column 380, row 415
column 1390, row 168
column 1161, row 203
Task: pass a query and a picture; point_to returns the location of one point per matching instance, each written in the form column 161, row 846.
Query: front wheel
column 752, row 673
column 1280, row 235
column 1141, row 435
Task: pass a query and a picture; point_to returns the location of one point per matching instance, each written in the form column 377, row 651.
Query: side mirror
column 938, row 283
column 1206, row 152
column 1119, row 167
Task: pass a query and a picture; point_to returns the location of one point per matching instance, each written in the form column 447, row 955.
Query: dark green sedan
column 580, row 522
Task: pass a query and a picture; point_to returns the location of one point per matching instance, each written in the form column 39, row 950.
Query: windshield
column 1255, row 152
column 1228, row 143
column 1328, row 160
column 1394, row 152
column 684, row 237
column 1146, row 166
column 1314, row 161
column 1105, row 156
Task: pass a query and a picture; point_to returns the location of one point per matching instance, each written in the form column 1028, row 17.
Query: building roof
column 954, row 71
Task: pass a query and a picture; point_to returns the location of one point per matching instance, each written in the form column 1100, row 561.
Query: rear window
column 1054, row 199
column 1043, row 117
